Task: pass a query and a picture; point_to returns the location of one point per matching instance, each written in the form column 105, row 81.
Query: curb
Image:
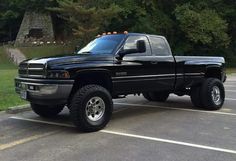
column 18, row 109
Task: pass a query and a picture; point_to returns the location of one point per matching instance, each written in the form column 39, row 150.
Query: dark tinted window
column 103, row 45
column 131, row 44
column 159, row 46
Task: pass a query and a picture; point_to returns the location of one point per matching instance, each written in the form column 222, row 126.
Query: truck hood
column 69, row 59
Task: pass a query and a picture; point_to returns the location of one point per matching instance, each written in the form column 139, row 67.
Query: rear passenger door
column 163, row 64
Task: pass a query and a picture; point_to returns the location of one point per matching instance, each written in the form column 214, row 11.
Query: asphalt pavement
column 139, row 130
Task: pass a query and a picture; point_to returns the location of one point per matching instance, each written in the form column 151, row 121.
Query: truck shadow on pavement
column 128, row 111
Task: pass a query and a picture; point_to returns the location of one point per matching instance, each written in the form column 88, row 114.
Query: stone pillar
column 35, row 21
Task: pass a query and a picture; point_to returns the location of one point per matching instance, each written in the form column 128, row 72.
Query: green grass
column 5, row 62
column 8, row 97
column 230, row 70
column 44, row 51
column 8, row 71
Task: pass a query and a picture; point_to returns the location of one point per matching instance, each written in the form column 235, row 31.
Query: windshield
column 103, row 45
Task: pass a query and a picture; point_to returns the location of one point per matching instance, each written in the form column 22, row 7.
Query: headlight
column 58, row 74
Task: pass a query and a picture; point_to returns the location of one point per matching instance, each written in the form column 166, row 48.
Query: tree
column 191, row 26
column 86, row 18
column 11, row 14
column 9, row 20
column 203, row 27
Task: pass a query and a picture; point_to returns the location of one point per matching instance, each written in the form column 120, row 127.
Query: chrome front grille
column 32, row 70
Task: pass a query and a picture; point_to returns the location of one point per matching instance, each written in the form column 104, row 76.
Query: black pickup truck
column 114, row 66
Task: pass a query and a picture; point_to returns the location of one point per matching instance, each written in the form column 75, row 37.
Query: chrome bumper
column 44, row 91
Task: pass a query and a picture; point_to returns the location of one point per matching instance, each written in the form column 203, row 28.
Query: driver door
column 132, row 74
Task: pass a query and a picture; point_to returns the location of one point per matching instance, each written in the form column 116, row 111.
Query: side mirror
column 140, row 48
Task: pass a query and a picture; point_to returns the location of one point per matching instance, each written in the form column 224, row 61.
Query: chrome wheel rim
column 95, row 109
column 216, row 96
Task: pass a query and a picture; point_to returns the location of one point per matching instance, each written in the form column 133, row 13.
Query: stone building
column 35, row 27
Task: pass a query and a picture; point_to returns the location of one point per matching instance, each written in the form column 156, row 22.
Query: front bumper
column 44, row 91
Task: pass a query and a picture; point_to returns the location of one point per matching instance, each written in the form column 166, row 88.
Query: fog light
column 48, row 89
column 31, row 87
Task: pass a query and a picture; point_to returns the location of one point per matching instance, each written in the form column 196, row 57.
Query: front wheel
column 91, row 108
column 212, row 94
column 195, row 95
column 46, row 111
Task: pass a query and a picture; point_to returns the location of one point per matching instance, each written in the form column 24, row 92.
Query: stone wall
column 35, row 21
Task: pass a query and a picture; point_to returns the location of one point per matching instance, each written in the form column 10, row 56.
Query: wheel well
column 102, row 79
column 213, row 72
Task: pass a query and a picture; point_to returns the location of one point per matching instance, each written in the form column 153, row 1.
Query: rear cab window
column 159, row 46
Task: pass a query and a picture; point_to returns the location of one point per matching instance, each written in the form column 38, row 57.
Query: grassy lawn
column 230, row 70
column 44, row 51
column 5, row 63
column 8, row 71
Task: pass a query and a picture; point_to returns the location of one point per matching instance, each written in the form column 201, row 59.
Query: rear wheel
column 91, row 108
column 156, row 96
column 46, row 111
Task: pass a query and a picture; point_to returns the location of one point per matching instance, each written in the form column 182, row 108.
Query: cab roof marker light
column 110, row 33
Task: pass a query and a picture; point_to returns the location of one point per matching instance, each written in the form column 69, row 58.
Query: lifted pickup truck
column 114, row 66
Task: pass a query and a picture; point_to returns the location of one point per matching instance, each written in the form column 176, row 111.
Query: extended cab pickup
column 114, row 66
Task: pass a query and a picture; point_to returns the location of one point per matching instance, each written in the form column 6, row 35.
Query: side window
column 159, row 47
column 131, row 44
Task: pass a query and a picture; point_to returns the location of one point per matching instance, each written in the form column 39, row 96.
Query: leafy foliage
column 202, row 26
column 85, row 18
column 8, row 20
column 196, row 27
column 11, row 14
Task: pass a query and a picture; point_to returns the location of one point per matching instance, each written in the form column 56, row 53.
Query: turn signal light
column 58, row 74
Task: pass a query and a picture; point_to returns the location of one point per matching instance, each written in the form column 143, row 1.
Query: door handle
column 154, row 62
